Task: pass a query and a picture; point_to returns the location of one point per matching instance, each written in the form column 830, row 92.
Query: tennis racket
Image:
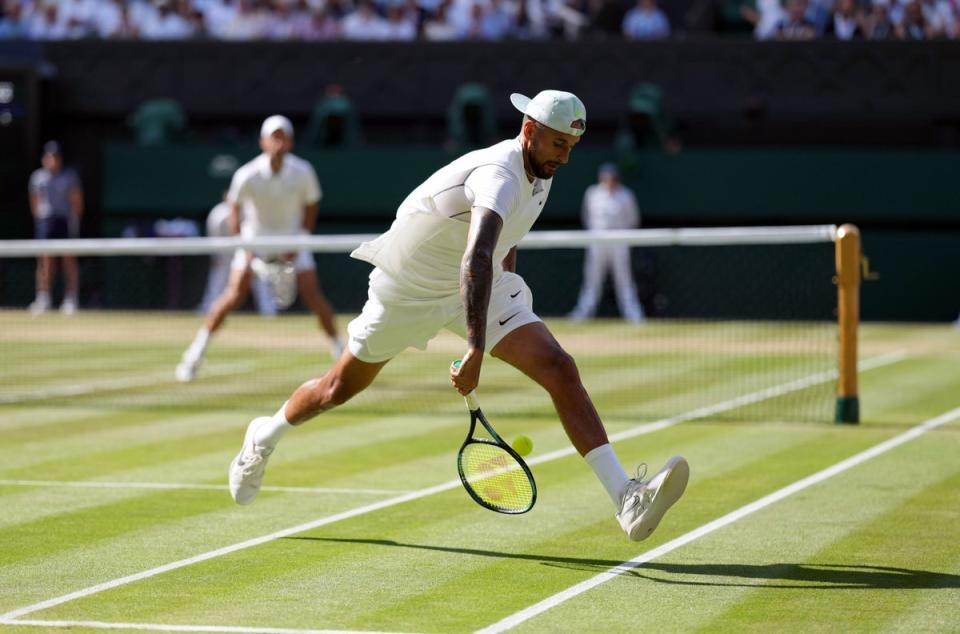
column 494, row 475
column 280, row 275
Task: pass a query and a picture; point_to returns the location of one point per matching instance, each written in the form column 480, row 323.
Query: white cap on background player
column 276, row 122
column 562, row 111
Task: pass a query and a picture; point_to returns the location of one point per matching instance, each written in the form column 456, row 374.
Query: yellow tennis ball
column 523, row 445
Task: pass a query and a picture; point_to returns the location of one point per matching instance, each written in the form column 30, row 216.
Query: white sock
column 268, row 434
column 43, row 297
column 199, row 345
column 608, row 469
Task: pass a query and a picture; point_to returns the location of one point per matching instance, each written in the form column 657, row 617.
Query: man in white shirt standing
column 275, row 194
column 448, row 262
column 608, row 206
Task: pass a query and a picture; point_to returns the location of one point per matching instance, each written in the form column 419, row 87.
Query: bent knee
column 558, row 370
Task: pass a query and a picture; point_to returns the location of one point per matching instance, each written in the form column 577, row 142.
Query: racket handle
column 472, row 402
column 470, row 398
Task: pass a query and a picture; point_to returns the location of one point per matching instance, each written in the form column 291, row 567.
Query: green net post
column 848, row 410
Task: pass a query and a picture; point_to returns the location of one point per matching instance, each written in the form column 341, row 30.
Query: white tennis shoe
column 246, row 470
column 40, row 305
column 645, row 501
column 187, row 368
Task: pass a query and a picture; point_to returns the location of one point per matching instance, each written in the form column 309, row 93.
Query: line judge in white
column 449, row 262
column 275, row 194
column 608, row 206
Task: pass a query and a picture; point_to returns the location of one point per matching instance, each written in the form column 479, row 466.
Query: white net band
column 714, row 236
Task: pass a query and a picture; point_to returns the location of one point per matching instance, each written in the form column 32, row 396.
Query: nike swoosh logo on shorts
column 517, row 293
column 503, row 321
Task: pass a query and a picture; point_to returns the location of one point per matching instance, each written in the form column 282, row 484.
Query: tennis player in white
column 275, row 194
column 448, row 262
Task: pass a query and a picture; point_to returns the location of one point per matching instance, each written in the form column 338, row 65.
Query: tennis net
column 742, row 322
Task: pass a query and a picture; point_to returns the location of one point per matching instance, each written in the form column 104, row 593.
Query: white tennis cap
column 276, row 122
column 562, row 111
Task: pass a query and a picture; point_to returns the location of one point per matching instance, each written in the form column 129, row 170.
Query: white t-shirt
column 272, row 204
column 423, row 249
column 605, row 208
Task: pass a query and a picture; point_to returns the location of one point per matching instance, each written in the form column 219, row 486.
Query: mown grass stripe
column 643, row 429
column 74, row 388
column 169, row 627
column 561, row 597
column 890, row 543
column 90, row 484
column 323, row 521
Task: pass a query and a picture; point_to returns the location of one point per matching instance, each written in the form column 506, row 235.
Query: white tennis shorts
column 390, row 322
column 304, row 260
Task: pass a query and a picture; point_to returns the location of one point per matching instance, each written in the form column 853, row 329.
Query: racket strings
column 496, row 477
column 281, row 277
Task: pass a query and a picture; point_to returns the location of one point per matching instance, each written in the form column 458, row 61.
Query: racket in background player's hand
column 494, row 475
column 280, row 274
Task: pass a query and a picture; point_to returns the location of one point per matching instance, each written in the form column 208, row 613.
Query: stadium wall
column 906, row 189
column 846, row 82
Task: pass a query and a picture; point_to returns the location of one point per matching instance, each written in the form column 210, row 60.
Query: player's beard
column 539, row 169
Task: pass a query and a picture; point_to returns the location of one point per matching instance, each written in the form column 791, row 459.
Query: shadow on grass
column 801, row 576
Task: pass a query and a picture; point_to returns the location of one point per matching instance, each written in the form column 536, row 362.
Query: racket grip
column 472, row 402
column 470, row 398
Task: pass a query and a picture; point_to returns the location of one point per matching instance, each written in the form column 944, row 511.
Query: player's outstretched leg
column 233, row 296
column 348, row 377
column 640, row 504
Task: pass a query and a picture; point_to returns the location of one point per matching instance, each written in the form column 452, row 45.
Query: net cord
column 708, row 236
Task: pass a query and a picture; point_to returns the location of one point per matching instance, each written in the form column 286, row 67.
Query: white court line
column 94, row 484
column 415, row 495
column 83, row 389
column 182, row 628
column 551, row 602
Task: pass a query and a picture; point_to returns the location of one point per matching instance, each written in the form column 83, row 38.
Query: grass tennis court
column 110, row 472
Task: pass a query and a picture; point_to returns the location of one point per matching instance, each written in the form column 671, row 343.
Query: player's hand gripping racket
column 494, row 475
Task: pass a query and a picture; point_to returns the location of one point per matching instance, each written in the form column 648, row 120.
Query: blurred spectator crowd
column 836, row 19
column 405, row 20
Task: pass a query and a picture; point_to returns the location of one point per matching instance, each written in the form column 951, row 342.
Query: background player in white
column 608, row 205
column 276, row 193
column 220, row 224
column 448, row 261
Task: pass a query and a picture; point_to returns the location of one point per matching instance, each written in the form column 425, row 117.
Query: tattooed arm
column 476, row 279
